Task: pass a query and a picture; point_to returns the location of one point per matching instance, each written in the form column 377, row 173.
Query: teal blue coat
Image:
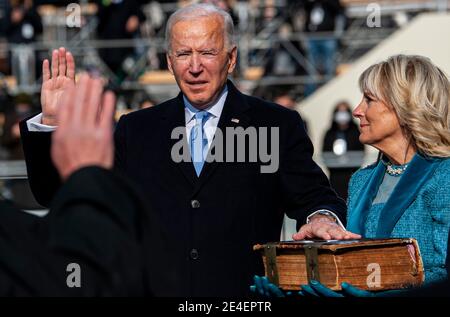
column 419, row 207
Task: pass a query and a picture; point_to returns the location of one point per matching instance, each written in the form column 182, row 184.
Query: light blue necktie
column 199, row 142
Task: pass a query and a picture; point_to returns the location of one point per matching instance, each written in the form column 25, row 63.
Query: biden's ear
column 169, row 63
column 232, row 60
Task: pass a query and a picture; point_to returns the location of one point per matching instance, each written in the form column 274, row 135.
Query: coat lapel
column 405, row 192
column 233, row 115
column 175, row 118
column 418, row 172
column 364, row 200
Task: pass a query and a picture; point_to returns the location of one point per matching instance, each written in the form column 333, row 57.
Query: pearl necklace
column 395, row 170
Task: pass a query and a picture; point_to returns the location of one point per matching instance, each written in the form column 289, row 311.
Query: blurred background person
column 146, row 103
column 341, row 137
column 280, row 61
column 324, row 22
column 22, row 25
column 17, row 190
column 225, row 5
column 286, row 98
column 5, row 102
column 118, row 19
column 22, row 22
column 21, row 108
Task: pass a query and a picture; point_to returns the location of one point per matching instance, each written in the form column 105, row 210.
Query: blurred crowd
column 304, row 39
column 120, row 21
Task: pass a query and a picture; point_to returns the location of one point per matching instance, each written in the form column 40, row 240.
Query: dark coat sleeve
column 97, row 221
column 42, row 174
column 120, row 149
column 305, row 187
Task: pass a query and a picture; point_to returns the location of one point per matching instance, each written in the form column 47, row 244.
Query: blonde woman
column 404, row 113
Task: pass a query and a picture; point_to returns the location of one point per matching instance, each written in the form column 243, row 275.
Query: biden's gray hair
column 201, row 10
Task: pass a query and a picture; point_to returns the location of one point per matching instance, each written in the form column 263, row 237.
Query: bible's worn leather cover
column 370, row 264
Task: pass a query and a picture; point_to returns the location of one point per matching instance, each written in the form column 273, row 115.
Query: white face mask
column 27, row 31
column 339, row 146
column 342, row 117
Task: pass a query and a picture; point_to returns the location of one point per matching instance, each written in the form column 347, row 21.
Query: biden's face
column 199, row 58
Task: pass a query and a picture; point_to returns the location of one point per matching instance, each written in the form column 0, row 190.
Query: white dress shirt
column 211, row 123
column 35, row 125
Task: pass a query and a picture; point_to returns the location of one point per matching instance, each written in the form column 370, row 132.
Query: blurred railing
column 13, row 170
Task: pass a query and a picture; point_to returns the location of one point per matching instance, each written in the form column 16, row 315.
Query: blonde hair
column 419, row 93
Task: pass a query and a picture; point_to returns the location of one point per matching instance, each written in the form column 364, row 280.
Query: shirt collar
column 215, row 109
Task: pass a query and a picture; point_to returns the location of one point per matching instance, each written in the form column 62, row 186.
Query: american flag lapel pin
column 235, row 120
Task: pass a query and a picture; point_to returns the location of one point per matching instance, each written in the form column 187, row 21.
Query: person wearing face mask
column 22, row 26
column 342, row 137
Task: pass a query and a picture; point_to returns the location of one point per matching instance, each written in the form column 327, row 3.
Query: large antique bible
column 370, row 264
